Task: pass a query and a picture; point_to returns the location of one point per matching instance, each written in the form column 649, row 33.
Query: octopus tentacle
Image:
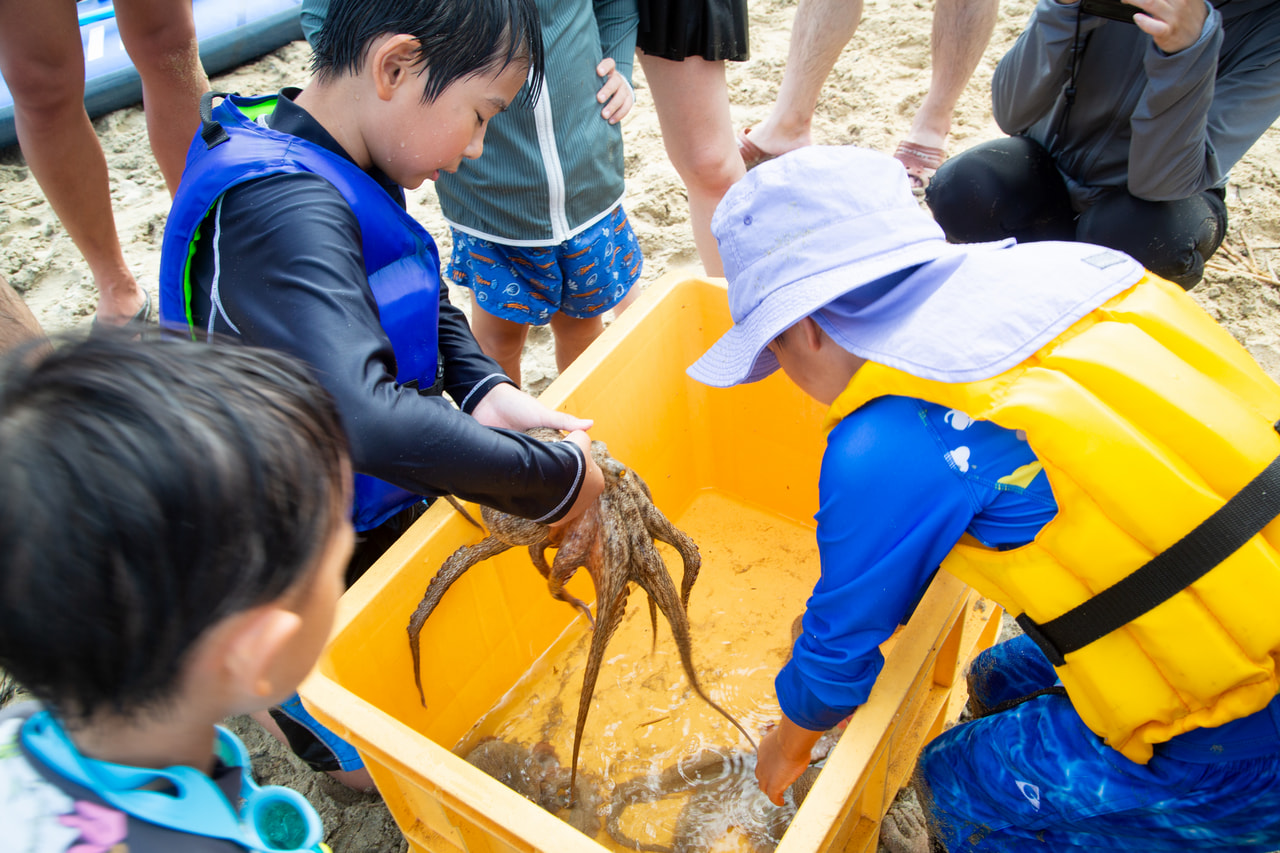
column 453, row 568
column 661, row 528
column 611, row 605
column 614, row 542
column 662, row 591
column 555, row 583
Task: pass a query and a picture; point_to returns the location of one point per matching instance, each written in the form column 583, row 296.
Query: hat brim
column 741, row 354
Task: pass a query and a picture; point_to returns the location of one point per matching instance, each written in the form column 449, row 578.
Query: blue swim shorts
column 1033, row 777
column 582, row 277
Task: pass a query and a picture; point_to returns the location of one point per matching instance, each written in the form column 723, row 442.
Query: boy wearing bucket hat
column 1075, row 438
column 173, row 519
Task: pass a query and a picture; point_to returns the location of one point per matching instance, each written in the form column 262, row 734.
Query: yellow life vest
column 1147, row 417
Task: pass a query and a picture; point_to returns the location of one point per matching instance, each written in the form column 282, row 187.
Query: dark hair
column 456, row 38
column 148, row 491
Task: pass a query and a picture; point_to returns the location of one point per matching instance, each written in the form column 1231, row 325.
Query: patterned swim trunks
column 1033, row 777
column 582, row 277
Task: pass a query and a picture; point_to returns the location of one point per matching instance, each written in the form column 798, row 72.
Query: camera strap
column 1069, row 93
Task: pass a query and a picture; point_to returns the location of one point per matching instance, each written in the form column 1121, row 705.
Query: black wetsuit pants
column 1011, row 188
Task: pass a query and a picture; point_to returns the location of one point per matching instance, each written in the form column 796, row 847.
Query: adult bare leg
column 42, row 61
column 819, row 33
column 692, row 100
column 961, row 30
column 17, row 323
column 160, row 37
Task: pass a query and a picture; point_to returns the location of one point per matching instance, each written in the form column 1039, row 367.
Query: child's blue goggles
column 271, row 819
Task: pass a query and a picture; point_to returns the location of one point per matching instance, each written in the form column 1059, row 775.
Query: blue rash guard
column 880, row 546
column 901, row 481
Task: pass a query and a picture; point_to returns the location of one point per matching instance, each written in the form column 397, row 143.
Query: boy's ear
column 810, row 333
column 253, row 651
column 394, row 62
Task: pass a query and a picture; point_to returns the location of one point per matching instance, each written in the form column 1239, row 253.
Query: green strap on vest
column 1165, row 575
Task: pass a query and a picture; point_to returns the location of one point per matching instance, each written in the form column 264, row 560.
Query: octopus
column 614, row 541
column 723, row 795
column 536, row 774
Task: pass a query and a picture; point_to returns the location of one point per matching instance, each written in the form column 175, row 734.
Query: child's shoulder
column 42, row 813
column 45, row 817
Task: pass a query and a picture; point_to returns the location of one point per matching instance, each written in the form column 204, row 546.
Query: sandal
column 752, row 155
column 135, row 323
column 921, row 162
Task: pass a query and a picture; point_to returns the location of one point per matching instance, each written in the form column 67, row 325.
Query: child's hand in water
column 615, row 93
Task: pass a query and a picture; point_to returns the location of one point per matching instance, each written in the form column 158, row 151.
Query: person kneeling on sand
column 1074, row 437
column 1125, row 120
column 173, row 519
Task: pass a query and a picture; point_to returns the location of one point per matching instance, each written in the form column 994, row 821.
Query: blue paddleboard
column 230, row 32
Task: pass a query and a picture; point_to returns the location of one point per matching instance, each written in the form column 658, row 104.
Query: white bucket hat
column 824, row 222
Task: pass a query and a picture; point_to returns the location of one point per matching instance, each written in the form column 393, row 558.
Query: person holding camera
column 1125, row 117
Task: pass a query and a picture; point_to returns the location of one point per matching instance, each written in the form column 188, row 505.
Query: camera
column 1113, row 9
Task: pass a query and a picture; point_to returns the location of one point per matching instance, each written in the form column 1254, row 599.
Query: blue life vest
column 400, row 257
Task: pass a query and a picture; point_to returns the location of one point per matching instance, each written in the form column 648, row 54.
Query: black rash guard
column 290, row 276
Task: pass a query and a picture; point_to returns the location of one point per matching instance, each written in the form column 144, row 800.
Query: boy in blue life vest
column 1050, row 423
column 538, row 230
column 174, row 524
column 289, row 231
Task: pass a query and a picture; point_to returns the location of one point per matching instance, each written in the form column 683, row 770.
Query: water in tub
column 657, row 765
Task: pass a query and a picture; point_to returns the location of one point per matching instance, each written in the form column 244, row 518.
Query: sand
column 869, row 100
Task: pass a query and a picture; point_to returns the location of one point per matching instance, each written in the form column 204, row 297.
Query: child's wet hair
column 457, row 39
column 147, row 492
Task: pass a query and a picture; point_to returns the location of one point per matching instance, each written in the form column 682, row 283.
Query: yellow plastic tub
column 737, row 469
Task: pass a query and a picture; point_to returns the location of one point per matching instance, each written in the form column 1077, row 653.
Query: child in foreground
column 174, row 523
column 1078, row 440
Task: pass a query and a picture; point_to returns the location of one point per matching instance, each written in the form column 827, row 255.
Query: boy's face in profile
column 424, row 139
column 817, row 365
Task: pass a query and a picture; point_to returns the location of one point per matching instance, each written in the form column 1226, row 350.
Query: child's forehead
column 495, row 87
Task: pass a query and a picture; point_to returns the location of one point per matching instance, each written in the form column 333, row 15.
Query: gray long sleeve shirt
column 553, row 168
column 1163, row 126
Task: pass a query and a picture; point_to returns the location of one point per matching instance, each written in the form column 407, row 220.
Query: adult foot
column 136, row 321
column 921, row 162
column 752, row 155
column 121, row 302
column 767, row 141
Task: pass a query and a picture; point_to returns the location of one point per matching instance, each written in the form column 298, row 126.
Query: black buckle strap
column 211, row 131
column 1165, row 575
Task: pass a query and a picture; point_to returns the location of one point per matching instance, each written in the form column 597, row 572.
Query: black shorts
column 711, row 29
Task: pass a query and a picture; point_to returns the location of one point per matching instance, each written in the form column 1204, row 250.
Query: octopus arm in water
column 661, row 528
column 453, row 568
column 614, row 541
column 573, row 552
column 709, row 811
column 611, row 605
column 650, row 572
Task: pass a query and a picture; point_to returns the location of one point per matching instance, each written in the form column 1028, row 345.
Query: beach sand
column 869, row 100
